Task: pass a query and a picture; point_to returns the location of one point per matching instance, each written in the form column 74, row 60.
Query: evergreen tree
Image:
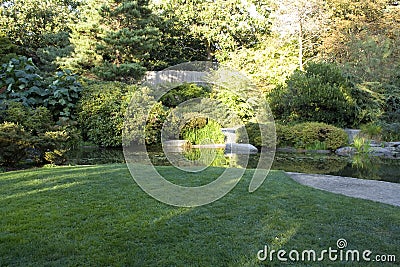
column 221, row 25
column 7, row 49
column 84, row 38
column 364, row 38
column 129, row 38
column 177, row 43
column 39, row 28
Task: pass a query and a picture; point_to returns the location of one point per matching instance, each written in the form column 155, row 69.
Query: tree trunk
column 209, row 56
column 301, row 45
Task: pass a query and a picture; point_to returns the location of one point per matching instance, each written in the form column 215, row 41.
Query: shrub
column 144, row 108
column 284, row 135
column 41, row 132
column 20, row 82
column 183, row 93
column 101, row 112
column 54, row 145
column 391, row 132
column 254, row 134
column 311, row 135
column 56, row 156
column 14, row 142
column 208, row 133
column 372, row 131
column 7, row 49
column 367, row 104
column 34, row 121
column 154, row 124
column 391, row 107
column 322, row 93
column 126, row 72
column 64, row 91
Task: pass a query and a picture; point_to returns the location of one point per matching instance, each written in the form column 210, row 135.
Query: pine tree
column 129, row 38
column 39, row 29
column 84, row 37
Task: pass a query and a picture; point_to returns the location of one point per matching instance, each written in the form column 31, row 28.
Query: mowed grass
column 98, row 216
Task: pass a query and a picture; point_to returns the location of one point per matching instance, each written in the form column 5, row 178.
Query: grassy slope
column 97, row 215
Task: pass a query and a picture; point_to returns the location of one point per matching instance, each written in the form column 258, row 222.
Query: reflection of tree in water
column 373, row 168
column 318, row 164
column 95, row 155
column 208, row 156
column 366, row 166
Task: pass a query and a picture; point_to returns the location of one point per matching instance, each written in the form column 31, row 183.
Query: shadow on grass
column 98, row 216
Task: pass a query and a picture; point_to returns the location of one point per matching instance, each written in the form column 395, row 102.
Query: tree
column 268, row 64
column 177, row 43
column 304, row 20
column 84, row 37
column 364, row 38
column 221, row 25
column 39, row 28
column 323, row 93
column 129, row 38
column 7, row 49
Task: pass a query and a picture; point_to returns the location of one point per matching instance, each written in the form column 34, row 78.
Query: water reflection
column 365, row 165
column 359, row 166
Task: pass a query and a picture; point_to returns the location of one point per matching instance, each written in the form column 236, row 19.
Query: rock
column 320, row 151
column 209, row 146
column 392, row 144
column 374, row 143
column 381, row 152
column 175, row 145
column 286, row 149
column 235, row 148
column 346, row 151
column 351, row 134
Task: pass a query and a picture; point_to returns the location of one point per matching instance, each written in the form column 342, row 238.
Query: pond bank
column 358, row 166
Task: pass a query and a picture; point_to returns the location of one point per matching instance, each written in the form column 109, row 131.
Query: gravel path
column 384, row 192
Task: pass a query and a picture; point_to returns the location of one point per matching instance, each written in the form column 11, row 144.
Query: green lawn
column 98, row 216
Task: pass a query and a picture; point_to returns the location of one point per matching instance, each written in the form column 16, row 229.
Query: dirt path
column 384, row 192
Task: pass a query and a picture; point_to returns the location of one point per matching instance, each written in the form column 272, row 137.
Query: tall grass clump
column 210, row 133
column 362, row 145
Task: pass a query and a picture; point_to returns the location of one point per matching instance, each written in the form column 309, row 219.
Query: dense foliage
column 126, row 44
column 201, row 131
column 21, row 81
column 322, row 93
column 311, row 135
column 13, row 143
column 31, row 134
column 332, row 61
column 40, row 30
column 184, row 92
column 101, row 112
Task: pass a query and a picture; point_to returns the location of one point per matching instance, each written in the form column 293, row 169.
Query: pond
column 359, row 166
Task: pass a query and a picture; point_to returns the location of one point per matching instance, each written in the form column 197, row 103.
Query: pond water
column 359, row 166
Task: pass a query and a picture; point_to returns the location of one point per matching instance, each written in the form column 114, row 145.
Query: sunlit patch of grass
column 98, row 216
